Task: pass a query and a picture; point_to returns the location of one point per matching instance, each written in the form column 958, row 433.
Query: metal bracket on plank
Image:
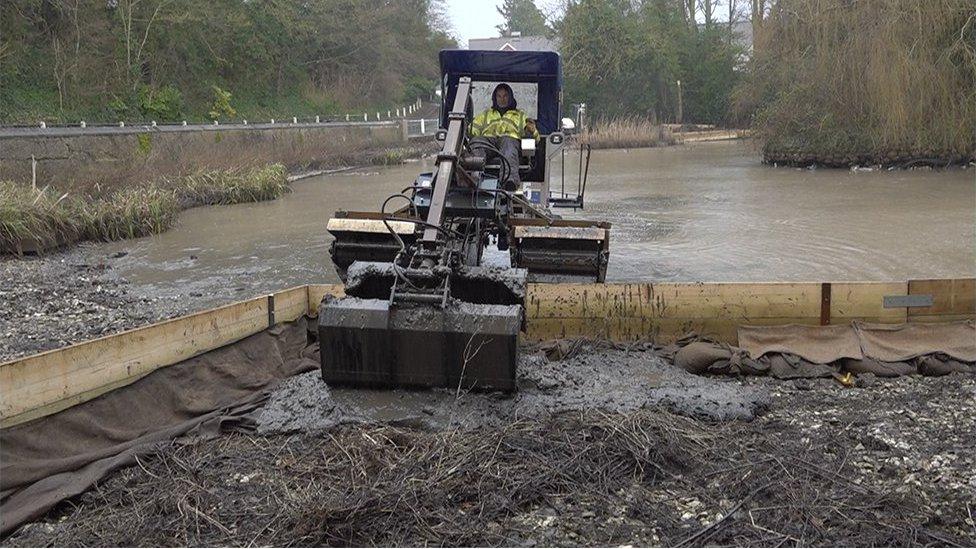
column 271, row 311
column 825, row 304
column 915, row 300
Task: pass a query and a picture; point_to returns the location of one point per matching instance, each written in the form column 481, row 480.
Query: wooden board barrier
column 865, row 301
column 45, row 383
column 666, row 311
column 317, row 291
column 953, row 299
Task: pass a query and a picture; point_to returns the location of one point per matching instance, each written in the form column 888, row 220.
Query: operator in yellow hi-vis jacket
column 497, row 133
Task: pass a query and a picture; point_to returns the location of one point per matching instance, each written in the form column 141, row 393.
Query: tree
column 624, row 58
column 522, row 16
column 104, row 60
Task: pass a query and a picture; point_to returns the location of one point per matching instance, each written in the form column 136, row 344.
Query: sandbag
column 879, row 368
column 790, row 366
column 941, row 365
column 698, row 356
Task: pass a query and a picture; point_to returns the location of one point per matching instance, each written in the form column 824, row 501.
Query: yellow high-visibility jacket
column 492, row 123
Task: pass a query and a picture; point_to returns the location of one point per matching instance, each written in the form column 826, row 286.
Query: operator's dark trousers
column 511, row 150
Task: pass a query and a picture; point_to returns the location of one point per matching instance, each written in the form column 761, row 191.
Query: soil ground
column 563, row 462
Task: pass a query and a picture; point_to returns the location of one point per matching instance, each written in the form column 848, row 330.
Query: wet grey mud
column 613, row 380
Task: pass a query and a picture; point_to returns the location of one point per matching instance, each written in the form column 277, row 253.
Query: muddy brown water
column 696, row 212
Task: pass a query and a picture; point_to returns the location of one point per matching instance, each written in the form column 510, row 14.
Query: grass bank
column 881, row 82
column 34, row 220
column 626, row 133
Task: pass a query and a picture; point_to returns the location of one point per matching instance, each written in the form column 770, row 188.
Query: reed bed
column 234, row 186
column 626, row 133
column 34, row 218
column 881, row 82
column 37, row 220
column 129, row 213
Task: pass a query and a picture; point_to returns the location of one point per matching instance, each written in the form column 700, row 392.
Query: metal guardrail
column 415, row 128
column 422, row 127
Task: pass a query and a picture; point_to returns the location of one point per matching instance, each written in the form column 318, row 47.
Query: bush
column 221, row 107
column 416, row 87
column 164, row 104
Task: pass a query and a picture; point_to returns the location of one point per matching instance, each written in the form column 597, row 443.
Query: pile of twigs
column 643, row 478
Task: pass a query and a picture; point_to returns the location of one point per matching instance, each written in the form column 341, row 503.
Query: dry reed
column 625, row 133
column 873, row 81
column 35, row 220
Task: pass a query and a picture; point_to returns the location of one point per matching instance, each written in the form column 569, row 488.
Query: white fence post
column 364, row 117
column 33, row 173
column 317, row 119
column 423, row 126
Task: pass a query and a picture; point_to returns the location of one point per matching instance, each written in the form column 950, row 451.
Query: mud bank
column 53, row 301
column 901, row 159
column 613, row 380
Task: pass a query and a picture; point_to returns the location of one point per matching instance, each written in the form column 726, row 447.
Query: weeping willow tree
column 854, row 81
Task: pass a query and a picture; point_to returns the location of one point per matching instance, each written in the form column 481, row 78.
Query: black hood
column 512, row 104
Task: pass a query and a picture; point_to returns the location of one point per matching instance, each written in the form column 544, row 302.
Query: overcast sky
column 473, row 19
column 478, row 18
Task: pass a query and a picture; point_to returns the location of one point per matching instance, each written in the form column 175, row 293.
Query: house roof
column 514, row 43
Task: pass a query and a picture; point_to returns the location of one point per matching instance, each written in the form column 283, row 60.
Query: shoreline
column 38, row 223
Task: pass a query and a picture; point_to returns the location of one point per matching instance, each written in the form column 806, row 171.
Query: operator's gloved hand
column 530, row 128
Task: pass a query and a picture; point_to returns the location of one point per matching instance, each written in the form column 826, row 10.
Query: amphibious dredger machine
column 423, row 305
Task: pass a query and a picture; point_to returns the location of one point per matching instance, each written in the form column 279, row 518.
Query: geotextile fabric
column 798, row 351
column 50, row 459
column 900, row 342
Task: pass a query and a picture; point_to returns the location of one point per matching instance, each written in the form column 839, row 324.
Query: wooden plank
column 864, row 301
column 317, row 291
column 634, row 329
column 953, row 299
column 800, row 301
column 291, row 304
column 743, row 302
column 665, row 311
column 58, row 379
